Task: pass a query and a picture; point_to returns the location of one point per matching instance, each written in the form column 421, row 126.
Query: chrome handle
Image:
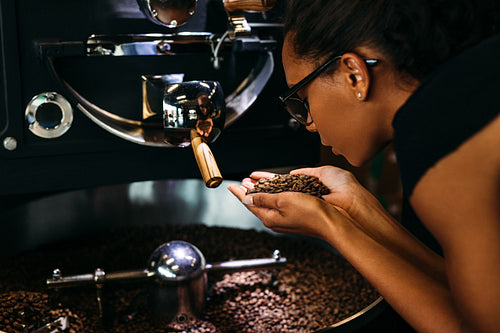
column 247, row 264
column 97, row 278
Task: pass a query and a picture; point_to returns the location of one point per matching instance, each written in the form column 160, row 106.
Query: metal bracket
column 146, row 45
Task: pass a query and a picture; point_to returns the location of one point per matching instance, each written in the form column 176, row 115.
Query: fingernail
column 247, row 200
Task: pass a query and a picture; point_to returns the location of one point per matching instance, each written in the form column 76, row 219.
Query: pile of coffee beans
column 316, row 288
column 294, row 183
column 22, row 311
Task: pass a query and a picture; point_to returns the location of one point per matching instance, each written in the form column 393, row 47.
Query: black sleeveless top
column 450, row 106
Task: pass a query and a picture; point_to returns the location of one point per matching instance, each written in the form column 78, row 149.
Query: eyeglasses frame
column 305, row 81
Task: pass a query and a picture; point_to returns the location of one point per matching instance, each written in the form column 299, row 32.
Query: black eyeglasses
column 298, row 108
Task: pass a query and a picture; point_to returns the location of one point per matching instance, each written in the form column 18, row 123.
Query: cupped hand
column 291, row 212
column 346, row 193
column 255, row 176
column 345, row 190
column 343, row 186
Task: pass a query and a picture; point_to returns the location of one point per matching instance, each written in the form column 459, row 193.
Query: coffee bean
column 294, row 183
column 316, row 289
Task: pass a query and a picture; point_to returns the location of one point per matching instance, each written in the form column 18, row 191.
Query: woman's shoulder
column 450, row 106
column 461, row 191
column 459, row 83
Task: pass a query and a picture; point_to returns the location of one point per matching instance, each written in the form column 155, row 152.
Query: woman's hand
column 291, row 212
column 346, row 193
column 342, row 184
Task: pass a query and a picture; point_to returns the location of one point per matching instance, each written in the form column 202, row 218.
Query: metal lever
column 247, row 265
column 99, row 277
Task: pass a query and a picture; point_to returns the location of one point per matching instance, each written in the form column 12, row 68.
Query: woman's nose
column 311, row 127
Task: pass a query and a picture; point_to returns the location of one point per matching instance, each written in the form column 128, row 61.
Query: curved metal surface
column 150, row 44
column 359, row 319
column 59, row 126
column 248, row 91
column 65, row 215
column 152, row 134
column 168, row 13
column 176, row 261
column 177, row 202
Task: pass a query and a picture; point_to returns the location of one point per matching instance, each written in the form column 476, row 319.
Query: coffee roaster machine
column 160, row 97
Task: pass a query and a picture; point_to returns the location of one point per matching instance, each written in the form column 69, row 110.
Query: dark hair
column 415, row 36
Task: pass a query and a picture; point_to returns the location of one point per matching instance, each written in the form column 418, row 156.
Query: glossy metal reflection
column 135, row 131
column 194, row 104
column 182, row 106
column 56, row 127
column 191, row 113
column 168, row 13
column 176, row 261
column 179, row 271
column 179, row 293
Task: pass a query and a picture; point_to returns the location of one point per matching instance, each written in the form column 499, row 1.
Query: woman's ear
column 356, row 75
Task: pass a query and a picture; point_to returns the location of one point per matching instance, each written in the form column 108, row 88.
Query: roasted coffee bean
column 292, row 183
column 23, row 311
column 317, row 288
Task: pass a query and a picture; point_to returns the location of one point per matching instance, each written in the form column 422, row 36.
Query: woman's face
column 353, row 128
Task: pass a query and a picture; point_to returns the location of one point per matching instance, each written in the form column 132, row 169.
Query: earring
column 360, row 96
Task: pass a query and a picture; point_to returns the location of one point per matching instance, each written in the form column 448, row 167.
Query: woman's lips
column 334, row 151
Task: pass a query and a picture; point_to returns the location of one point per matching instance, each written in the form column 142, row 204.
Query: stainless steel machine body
column 95, row 60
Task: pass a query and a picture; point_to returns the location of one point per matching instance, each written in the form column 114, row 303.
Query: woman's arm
column 373, row 218
column 415, row 292
column 459, row 202
column 348, row 195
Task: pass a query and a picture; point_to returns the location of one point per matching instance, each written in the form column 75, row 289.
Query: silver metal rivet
column 56, row 274
column 276, row 255
column 10, row 143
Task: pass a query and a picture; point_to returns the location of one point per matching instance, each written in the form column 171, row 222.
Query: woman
column 424, row 75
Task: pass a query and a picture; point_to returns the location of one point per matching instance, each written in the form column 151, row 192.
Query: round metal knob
column 176, row 261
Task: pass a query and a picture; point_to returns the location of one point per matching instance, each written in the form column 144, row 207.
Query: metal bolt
column 10, row 143
column 50, row 97
column 56, row 274
column 163, row 47
column 276, row 255
column 99, row 276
